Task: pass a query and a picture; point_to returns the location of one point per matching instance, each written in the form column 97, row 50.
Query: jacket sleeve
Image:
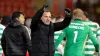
column 36, row 18
column 3, row 43
column 93, row 39
column 63, row 24
column 27, row 40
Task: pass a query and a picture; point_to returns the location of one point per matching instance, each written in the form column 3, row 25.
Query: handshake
column 67, row 10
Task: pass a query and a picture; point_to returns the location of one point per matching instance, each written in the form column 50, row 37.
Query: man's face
column 21, row 19
column 46, row 18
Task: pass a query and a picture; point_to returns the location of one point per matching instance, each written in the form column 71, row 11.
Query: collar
column 77, row 20
column 86, row 20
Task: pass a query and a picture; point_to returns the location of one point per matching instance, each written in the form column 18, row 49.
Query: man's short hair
column 78, row 12
column 16, row 15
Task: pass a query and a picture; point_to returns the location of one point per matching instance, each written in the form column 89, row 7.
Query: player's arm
column 58, row 41
column 60, row 38
column 98, row 38
column 60, row 48
column 98, row 35
column 93, row 39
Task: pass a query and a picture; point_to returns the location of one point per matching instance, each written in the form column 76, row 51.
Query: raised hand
column 68, row 11
column 44, row 7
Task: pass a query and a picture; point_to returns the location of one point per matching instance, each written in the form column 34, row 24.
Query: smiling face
column 46, row 17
